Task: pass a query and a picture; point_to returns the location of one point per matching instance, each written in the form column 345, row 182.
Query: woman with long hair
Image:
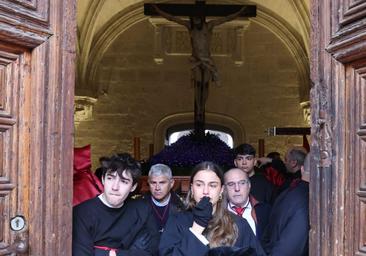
column 207, row 227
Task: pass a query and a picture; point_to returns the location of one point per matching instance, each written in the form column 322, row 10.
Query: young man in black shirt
column 261, row 189
column 110, row 224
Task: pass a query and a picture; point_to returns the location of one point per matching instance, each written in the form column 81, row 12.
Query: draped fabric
column 274, row 176
column 86, row 184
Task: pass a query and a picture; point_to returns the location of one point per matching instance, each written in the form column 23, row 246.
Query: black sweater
column 129, row 229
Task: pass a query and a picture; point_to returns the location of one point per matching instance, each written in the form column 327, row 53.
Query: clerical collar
column 101, row 197
column 161, row 204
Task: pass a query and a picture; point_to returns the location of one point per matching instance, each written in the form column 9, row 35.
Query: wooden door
column 37, row 42
column 338, row 98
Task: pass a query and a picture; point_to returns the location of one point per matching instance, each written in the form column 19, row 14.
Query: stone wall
column 136, row 93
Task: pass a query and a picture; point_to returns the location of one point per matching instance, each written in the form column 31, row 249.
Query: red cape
column 86, row 184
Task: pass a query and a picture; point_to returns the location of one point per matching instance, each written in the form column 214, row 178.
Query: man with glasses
column 241, row 203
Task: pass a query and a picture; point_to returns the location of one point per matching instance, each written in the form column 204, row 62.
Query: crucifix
column 274, row 131
column 203, row 68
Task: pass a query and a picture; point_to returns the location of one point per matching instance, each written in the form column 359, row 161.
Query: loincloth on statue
column 204, row 64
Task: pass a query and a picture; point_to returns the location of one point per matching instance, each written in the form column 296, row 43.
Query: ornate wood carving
column 2, row 87
column 25, row 23
column 11, row 69
column 357, row 180
column 348, row 42
column 6, row 186
column 37, row 51
column 1, row 153
column 8, row 69
column 338, row 181
column 351, row 11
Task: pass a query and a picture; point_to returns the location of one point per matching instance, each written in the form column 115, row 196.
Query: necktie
column 239, row 210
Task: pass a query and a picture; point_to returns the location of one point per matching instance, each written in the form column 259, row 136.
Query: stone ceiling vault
column 122, row 93
column 100, row 22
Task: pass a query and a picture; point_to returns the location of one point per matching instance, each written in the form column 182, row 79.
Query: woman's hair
column 221, row 230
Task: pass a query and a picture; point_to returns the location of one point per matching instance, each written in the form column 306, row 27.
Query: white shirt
column 161, row 204
column 247, row 214
column 104, row 201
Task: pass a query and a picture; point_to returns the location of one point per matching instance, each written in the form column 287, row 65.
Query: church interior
column 133, row 79
column 107, row 74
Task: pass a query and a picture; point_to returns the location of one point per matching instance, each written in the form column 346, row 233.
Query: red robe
column 86, row 184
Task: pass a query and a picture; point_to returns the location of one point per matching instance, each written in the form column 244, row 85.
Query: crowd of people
column 258, row 207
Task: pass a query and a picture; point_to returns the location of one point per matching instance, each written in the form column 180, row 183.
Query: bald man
column 241, row 203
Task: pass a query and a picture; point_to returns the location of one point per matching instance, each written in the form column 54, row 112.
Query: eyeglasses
column 241, row 183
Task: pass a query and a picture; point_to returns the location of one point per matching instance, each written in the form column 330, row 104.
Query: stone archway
column 181, row 118
column 133, row 14
column 110, row 34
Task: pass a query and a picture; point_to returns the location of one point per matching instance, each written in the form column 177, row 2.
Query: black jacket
column 178, row 240
column 175, row 205
column 261, row 188
column 262, row 212
column 288, row 228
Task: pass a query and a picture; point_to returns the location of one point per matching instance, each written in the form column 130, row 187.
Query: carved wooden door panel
column 13, row 141
column 37, row 42
column 338, row 96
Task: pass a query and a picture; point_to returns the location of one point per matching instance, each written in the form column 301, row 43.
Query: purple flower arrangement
column 189, row 151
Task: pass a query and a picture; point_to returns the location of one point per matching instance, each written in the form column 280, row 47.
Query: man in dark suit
column 241, row 203
column 294, row 160
column 162, row 200
column 287, row 232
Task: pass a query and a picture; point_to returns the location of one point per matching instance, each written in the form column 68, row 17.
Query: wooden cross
column 200, row 8
column 200, row 31
column 274, row 131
